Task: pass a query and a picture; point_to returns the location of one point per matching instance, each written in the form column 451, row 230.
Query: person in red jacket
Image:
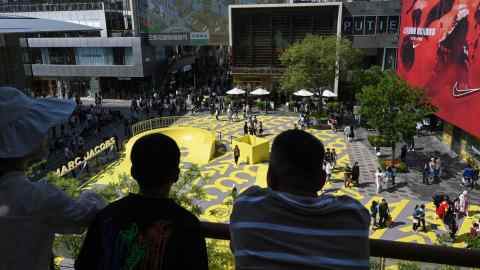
column 442, row 209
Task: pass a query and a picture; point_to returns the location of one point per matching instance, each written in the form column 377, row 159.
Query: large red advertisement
column 439, row 50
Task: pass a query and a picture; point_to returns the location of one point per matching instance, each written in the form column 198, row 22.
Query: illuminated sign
column 370, row 25
column 78, row 161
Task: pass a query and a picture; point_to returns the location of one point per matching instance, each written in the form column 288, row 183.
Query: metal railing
column 388, row 249
column 163, row 122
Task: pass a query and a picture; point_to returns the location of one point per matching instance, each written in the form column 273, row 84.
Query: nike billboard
column 439, row 50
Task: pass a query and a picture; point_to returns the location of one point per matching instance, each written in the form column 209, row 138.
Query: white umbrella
column 303, row 93
column 328, row 93
column 260, row 92
column 235, row 91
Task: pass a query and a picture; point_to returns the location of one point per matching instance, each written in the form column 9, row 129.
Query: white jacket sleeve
column 65, row 215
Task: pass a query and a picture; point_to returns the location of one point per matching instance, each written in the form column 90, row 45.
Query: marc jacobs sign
column 78, row 161
column 370, row 25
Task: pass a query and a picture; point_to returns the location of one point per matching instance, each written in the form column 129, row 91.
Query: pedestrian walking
column 328, row 156
column 450, row 221
column 437, row 169
column 419, row 218
column 334, row 157
column 234, row 193
column 390, row 175
column 236, row 154
column 260, row 128
column 328, row 170
column 374, row 213
column 403, row 153
column 346, row 133
column 426, row 173
column 356, row 173
column 352, row 133
column 379, row 178
column 463, row 204
column 431, row 168
column 384, row 214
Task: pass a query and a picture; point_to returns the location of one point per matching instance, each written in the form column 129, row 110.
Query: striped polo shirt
column 276, row 230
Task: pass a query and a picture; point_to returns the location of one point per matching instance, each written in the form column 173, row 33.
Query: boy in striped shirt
column 289, row 226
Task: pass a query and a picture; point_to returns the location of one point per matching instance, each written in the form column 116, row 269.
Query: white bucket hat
column 24, row 122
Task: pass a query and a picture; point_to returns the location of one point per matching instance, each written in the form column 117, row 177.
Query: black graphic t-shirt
column 141, row 233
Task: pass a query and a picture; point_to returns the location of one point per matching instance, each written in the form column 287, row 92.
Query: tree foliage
column 311, row 63
column 393, row 107
column 364, row 77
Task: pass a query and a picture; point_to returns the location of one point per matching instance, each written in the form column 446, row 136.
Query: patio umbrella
column 235, row 91
column 260, row 92
column 328, row 93
column 303, row 93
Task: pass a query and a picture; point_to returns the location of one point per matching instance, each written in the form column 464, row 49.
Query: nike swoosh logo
column 415, row 45
column 463, row 92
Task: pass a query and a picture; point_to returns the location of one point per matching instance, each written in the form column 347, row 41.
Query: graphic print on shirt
column 136, row 248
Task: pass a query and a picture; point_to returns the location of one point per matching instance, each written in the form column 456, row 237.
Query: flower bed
column 400, row 167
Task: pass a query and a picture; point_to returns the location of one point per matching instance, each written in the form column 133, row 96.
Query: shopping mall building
column 432, row 45
column 140, row 45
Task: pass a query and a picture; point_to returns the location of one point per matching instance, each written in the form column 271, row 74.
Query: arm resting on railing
column 388, row 249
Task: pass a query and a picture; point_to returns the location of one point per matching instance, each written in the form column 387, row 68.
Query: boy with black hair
column 146, row 230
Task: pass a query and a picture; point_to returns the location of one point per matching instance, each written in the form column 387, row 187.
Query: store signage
column 194, row 38
column 370, row 25
column 168, row 37
column 440, row 55
column 199, row 38
column 78, row 161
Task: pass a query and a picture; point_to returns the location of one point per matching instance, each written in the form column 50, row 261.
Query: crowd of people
column 385, row 179
column 252, row 126
column 382, row 211
column 451, row 210
column 432, row 171
column 86, row 127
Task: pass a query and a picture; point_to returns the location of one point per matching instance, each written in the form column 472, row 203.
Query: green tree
column 355, row 80
column 311, row 63
column 363, row 77
column 393, row 107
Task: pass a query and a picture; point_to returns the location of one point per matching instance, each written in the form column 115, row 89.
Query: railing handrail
column 163, row 122
column 387, row 249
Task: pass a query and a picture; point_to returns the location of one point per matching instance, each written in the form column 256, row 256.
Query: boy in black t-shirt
column 146, row 230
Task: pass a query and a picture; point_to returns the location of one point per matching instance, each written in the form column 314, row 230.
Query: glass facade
column 83, row 56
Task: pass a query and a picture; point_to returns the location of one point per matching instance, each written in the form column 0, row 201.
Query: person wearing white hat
column 32, row 212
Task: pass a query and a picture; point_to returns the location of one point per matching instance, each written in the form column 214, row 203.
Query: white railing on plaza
column 164, row 122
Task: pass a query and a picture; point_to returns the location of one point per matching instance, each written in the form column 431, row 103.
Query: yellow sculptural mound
column 197, row 146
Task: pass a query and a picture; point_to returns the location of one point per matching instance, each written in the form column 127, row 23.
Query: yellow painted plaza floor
column 222, row 175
